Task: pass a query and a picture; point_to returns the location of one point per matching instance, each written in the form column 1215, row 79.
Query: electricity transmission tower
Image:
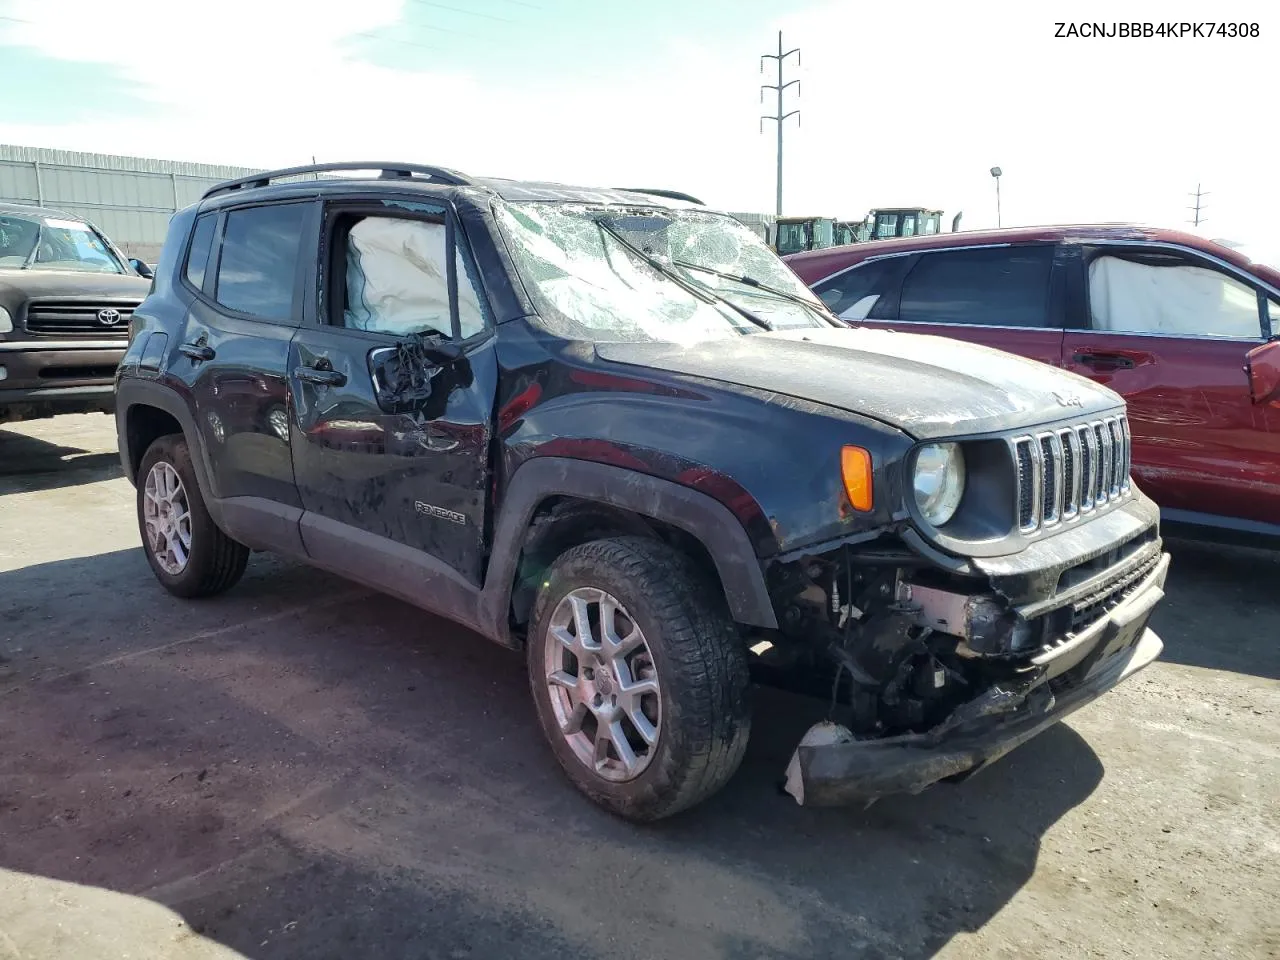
column 779, row 117
column 1198, row 206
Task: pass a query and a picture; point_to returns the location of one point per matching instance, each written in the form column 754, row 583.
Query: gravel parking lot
column 303, row 768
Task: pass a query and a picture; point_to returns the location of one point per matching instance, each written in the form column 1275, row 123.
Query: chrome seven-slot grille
column 1069, row 471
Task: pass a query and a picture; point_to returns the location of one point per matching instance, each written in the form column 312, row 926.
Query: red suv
column 1188, row 331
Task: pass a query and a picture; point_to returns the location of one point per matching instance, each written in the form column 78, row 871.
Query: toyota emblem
column 109, row 317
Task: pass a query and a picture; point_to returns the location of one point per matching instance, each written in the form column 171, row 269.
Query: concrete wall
column 129, row 198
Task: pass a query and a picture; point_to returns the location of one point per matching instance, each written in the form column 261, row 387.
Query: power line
column 375, row 35
column 1198, row 205
column 433, row 29
column 405, row 43
column 462, row 10
column 779, row 117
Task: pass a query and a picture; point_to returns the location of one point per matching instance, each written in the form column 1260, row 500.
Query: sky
column 901, row 103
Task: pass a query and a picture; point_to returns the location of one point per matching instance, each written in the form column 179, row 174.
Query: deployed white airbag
column 1125, row 296
column 397, row 281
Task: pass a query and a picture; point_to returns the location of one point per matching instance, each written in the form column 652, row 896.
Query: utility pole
column 1198, row 206
column 779, row 117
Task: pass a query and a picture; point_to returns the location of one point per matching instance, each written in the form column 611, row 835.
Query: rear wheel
column 639, row 677
column 189, row 555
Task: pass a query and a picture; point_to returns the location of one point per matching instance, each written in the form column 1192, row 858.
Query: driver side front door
column 393, row 385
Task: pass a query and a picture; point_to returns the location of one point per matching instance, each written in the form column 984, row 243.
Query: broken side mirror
column 1262, row 364
column 439, row 351
column 418, row 374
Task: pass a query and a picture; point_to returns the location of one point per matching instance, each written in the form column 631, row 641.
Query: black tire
column 701, row 666
column 215, row 562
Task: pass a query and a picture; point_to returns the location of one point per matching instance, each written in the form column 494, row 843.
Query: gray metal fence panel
column 129, row 198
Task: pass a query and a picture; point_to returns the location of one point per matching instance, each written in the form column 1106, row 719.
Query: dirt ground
column 302, row 768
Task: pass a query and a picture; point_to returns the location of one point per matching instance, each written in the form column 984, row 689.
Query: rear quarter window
column 201, row 245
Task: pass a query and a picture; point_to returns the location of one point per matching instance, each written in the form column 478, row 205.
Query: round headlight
column 939, row 481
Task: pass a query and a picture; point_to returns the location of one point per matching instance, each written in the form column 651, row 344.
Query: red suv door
column 1007, row 297
column 1170, row 329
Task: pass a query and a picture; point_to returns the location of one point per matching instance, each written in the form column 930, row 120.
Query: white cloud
column 245, row 81
column 901, row 104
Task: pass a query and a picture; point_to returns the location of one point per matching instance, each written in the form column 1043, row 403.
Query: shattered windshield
column 632, row 273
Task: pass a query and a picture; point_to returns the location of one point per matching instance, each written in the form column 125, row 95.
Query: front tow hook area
column 832, row 767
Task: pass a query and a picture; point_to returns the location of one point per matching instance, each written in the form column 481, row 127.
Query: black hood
column 17, row 286
column 928, row 387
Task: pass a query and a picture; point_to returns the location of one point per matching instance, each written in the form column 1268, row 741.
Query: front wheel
column 189, row 555
column 639, row 677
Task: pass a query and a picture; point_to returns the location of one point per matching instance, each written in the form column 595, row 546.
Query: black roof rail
column 669, row 194
column 389, row 171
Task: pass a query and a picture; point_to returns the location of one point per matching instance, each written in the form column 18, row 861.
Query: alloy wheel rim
column 603, row 684
column 166, row 517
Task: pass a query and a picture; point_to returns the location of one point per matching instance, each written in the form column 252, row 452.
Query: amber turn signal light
column 855, row 467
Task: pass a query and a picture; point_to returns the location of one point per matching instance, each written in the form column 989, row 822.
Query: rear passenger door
column 243, row 272
column 1170, row 329
column 1004, row 297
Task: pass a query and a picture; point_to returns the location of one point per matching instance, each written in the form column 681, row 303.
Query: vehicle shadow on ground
column 29, row 463
column 905, row 876
column 358, row 778
column 1205, row 579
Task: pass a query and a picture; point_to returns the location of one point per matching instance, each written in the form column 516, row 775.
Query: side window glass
column 201, row 244
column 259, row 261
column 396, row 279
column 1002, row 287
column 850, row 295
column 1171, row 296
column 18, row 236
column 470, row 309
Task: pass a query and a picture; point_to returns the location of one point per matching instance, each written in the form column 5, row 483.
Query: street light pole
column 996, row 172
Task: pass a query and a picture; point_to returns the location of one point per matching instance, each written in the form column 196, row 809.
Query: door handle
column 328, row 378
column 1104, row 361
column 198, row 351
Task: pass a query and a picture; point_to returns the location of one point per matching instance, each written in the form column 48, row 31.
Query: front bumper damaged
column 831, row 767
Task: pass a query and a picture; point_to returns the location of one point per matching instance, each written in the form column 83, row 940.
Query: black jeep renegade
column 612, row 429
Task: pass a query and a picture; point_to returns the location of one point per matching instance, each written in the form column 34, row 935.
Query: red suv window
column 999, row 287
column 852, row 294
